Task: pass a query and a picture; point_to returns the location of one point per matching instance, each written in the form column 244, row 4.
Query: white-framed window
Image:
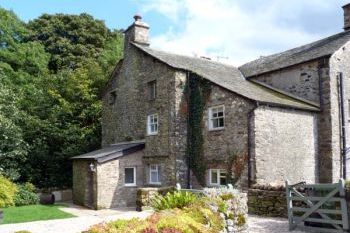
column 217, row 117
column 152, row 90
column 217, row 177
column 130, row 176
column 152, row 124
column 154, row 174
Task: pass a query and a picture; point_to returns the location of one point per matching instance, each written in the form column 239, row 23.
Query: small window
column 217, row 177
column 152, row 124
column 152, row 90
column 154, row 174
column 130, row 176
column 217, row 117
column 112, row 97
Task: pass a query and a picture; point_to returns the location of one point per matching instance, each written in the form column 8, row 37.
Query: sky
column 229, row 31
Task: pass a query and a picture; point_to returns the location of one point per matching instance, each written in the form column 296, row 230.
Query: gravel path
column 268, row 225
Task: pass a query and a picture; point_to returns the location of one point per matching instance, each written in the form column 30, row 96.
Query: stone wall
column 84, row 184
column 221, row 145
column 284, row 146
column 300, row 80
column 267, row 202
column 339, row 63
column 111, row 191
column 126, row 119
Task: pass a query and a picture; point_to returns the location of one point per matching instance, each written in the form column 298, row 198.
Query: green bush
column 26, row 195
column 7, row 192
column 173, row 200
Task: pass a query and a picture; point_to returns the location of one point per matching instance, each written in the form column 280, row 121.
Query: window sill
column 130, row 185
column 217, row 129
column 155, row 184
column 152, row 134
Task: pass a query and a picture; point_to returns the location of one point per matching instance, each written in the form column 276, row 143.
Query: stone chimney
column 137, row 32
column 346, row 9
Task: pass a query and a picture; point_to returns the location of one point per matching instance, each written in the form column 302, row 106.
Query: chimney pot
column 346, row 9
column 137, row 17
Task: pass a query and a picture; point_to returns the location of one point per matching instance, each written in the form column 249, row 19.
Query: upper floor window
column 130, row 176
column 217, row 177
column 217, row 117
column 152, row 124
column 112, row 97
column 152, row 90
column 154, row 174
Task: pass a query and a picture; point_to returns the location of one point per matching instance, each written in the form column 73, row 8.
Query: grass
column 17, row 214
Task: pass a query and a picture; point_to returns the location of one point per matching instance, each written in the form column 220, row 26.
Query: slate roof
column 318, row 49
column 113, row 151
column 228, row 77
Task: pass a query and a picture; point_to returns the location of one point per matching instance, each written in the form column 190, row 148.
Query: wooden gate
column 317, row 207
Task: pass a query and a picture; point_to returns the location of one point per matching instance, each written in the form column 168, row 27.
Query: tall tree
column 70, row 39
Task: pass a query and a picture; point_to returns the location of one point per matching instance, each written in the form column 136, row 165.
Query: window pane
column 129, row 176
column 215, row 123
column 214, row 177
column 154, row 177
column 221, row 122
column 223, row 180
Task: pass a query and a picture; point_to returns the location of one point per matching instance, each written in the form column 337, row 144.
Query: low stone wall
column 145, row 195
column 235, row 214
column 267, row 201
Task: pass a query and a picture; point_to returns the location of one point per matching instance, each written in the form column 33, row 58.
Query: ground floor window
column 130, row 176
column 154, row 174
column 217, row 177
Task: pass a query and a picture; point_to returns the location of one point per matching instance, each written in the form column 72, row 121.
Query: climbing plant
column 198, row 91
column 236, row 162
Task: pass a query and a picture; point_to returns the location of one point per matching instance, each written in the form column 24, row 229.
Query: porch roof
column 113, row 151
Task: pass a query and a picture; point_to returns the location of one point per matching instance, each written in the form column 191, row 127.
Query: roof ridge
column 298, row 50
column 187, row 56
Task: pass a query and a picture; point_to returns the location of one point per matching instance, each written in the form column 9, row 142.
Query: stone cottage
column 171, row 119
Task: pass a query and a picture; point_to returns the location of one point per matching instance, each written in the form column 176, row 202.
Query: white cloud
column 241, row 30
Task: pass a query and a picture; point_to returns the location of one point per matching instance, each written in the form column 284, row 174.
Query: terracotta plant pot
column 47, row 199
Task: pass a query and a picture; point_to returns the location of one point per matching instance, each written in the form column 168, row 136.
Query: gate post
column 289, row 206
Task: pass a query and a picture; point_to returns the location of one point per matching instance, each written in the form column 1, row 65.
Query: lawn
column 17, row 214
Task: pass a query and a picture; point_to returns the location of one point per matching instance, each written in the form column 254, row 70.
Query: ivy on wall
column 198, row 91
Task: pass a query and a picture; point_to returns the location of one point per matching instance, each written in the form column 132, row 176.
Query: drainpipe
column 188, row 131
column 250, row 115
column 342, row 116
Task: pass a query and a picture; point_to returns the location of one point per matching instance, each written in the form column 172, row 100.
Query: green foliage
column 70, row 39
column 222, row 207
column 7, row 192
column 226, row 196
column 171, row 200
column 18, row 214
column 198, row 90
column 52, row 71
column 26, row 195
column 241, row 220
